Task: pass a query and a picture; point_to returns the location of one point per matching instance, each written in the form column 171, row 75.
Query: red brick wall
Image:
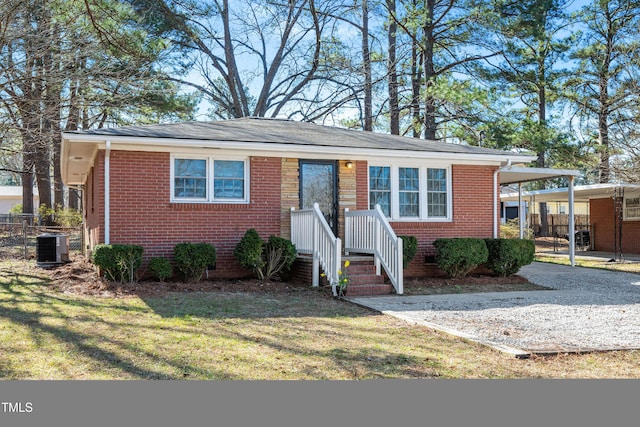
column 472, row 215
column 142, row 214
column 601, row 215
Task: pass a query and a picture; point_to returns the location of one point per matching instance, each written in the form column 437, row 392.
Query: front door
column 318, row 184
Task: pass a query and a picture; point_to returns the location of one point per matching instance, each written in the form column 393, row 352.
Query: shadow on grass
column 24, row 291
column 220, row 305
column 264, row 328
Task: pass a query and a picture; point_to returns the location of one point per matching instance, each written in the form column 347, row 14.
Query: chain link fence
column 18, row 239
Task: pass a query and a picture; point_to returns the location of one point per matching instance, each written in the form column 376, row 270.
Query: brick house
column 159, row 185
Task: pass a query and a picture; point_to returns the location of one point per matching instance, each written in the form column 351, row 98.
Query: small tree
column 249, row 251
column 161, row 268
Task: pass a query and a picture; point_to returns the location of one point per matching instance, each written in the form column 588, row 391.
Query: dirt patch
column 80, row 277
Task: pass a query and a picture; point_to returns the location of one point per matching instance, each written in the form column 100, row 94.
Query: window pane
column 228, row 169
column 409, row 179
column 437, row 205
column 380, row 178
column 382, row 199
column 228, row 179
column 380, row 188
column 190, row 178
column 409, row 204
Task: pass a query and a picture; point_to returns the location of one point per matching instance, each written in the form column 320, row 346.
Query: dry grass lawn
column 49, row 330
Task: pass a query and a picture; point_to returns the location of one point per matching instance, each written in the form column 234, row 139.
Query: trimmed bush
column 248, row 251
column 507, row 256
column 459, row 256
column 409, row 249
column 161, row 268
column 192, row 259
column 118, row 262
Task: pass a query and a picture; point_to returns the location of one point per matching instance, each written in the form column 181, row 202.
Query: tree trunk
column 416, row 74
column 429, row 72
column 603, row 130
column 27, row 192
column 366, row 65
column 394, row 109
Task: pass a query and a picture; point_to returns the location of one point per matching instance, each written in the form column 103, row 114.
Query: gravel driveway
column 586, row 310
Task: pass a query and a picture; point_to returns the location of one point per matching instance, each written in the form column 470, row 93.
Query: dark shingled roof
column 278, row 131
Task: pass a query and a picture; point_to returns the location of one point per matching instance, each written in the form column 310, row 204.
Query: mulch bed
column 80, row 277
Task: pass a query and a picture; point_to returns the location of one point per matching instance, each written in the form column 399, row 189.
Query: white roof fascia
column 288, row 150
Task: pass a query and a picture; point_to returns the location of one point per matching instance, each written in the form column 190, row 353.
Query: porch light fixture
column 349, row 164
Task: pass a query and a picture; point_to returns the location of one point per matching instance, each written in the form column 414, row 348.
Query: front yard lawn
column 47, row 332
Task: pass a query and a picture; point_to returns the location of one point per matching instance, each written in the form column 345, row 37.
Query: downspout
column 495, row 198
column 107, row 197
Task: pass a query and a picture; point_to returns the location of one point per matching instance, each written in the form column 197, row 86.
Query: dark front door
column 318, row 184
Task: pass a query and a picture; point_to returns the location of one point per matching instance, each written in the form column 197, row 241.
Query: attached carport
column 586, row 193
column 509, row 175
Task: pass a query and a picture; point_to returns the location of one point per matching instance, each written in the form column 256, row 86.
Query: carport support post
column 572, row 231
column 521, row 216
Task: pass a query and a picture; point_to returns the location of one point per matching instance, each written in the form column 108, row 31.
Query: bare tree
column 58, row 72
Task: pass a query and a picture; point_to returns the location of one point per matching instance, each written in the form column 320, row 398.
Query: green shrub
column 248, row 251
column 118, row 262
column 506, row 256
column 192, row 259
column 265, row 259
column 161, row 268
column 459, row 256
column 279, row 254
column 409, row 249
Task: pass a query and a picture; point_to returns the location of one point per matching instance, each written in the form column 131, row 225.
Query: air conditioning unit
column 52, row 249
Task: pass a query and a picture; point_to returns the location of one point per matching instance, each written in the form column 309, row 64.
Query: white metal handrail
column 370, row 232
column 311, row 234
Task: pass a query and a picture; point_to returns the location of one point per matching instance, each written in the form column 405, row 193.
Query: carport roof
column 581, row 193
column 515, row 174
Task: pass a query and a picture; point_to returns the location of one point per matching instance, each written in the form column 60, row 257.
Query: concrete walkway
column 586, row 310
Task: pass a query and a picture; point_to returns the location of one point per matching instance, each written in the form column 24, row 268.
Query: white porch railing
column 312, row 235
column 370, row 232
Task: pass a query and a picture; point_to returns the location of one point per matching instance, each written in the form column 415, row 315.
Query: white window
column 411, row 193
column 632, row 208
column 209, row 179
column 437, row 193
column 380, row 188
